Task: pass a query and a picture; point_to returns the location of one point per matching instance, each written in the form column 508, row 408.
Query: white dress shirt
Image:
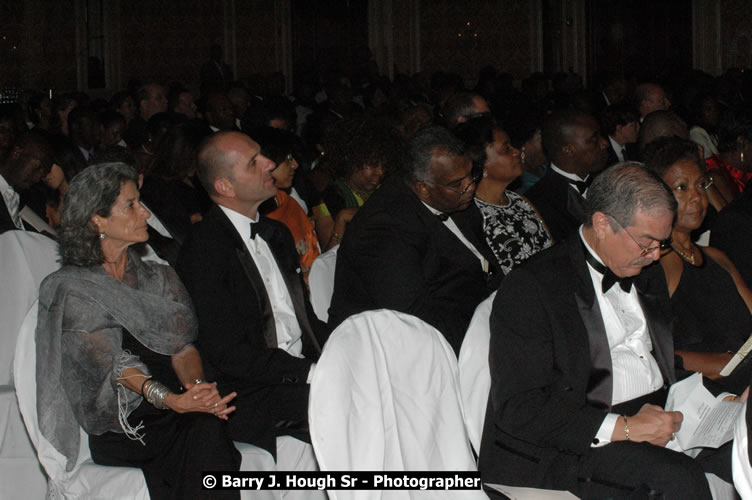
column 12, row 201
column 634, row 370
column 285, row 320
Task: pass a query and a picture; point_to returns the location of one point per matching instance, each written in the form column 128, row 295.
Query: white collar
column 242, row 223
column 568, row 175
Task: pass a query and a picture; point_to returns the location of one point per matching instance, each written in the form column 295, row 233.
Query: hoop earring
column 741, row 156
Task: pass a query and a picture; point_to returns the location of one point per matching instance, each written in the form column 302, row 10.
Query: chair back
column 86, row 480
column 321, row 282
column 385, row 397
column 25, row 259
column 475, row 375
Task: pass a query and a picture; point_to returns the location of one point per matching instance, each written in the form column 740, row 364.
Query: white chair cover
column 475, row 376
column 25, row 259
column 385, row 397
column 321, row 282
column 91, row 481
column 740, row 466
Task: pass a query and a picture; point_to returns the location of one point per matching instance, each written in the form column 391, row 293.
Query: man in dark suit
column 576, row 149
column 417, row 245
column 620, row 125
column 581, row 354
column 29, row 160
column 257, row 329
column 732, row 232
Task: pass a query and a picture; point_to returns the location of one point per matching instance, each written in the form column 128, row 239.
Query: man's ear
column 223, row 187
column 601, row 225
column 421, row 190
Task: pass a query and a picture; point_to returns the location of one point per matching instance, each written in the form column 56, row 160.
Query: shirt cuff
column 310, row 373
column 606, row 430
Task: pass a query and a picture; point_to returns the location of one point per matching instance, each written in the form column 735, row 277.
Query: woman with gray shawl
column 114, row 348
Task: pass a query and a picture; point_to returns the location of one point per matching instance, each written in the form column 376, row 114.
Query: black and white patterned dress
column 513, row 231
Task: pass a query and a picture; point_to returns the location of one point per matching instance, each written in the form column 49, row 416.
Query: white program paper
column 708, row 420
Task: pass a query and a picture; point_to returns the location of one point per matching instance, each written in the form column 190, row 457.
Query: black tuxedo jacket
column 6, row 222
column 398, row 255
column 237, row 336
column 631, row 153
column 732, row 232
column 550, row 362
column 558, row 203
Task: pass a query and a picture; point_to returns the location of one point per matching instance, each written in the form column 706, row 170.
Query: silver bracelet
column 155, row 393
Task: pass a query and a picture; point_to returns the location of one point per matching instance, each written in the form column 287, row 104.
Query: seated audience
column 66, row 163
column 705, row 117
column 731, row 233
column 621, row 126
column 280, row 147
column 28, row 162
column 514, row 231
column 526, row 136
column 113, row 128
column 581, row 352
column 168, row 189
column 257, row 330
column 649, row 97
column 114, row 346
column 710, row 302
column 576, row 149
column 730, row 169
column 359, row 153
column 418, row 246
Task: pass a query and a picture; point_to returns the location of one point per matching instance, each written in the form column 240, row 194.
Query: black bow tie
column 262, row 228
column 582, row 185
column 609, row 278
column 442, row 216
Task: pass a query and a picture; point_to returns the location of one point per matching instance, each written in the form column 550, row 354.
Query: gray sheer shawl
column 82, row 313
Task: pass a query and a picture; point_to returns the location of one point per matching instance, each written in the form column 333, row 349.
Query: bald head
column 215, row 159
column 661, row 124
column 651, row 97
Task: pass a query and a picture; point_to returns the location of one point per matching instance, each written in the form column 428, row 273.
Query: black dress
column 178, row 447
column 710, row 315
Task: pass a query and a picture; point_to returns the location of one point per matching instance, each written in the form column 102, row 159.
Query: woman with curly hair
column 115, row 351
column 360, row 153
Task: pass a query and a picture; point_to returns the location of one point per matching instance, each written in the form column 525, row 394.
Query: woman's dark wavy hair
column 92, row 192
column 177, row 154
column 355, row 143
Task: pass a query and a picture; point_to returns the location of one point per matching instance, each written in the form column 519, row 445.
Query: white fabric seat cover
column 91, row 481
column 321, row 282
column 475, row 376
column 385, row 397
column 25, row 259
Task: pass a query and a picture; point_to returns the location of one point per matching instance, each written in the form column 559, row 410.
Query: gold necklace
column 689, row 258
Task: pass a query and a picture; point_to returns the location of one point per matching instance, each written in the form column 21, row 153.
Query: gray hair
column 623, row 189
column 92, row 192
column 422, row 146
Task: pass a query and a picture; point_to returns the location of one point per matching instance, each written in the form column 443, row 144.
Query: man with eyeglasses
column 581, row 356
column 417, row 245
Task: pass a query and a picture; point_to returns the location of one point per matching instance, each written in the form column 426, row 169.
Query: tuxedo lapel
column 251, row 272
column 575, row 206
column 600, row 383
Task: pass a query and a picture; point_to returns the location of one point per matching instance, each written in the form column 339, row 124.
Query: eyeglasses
column 474, row 175
column 662, row 245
